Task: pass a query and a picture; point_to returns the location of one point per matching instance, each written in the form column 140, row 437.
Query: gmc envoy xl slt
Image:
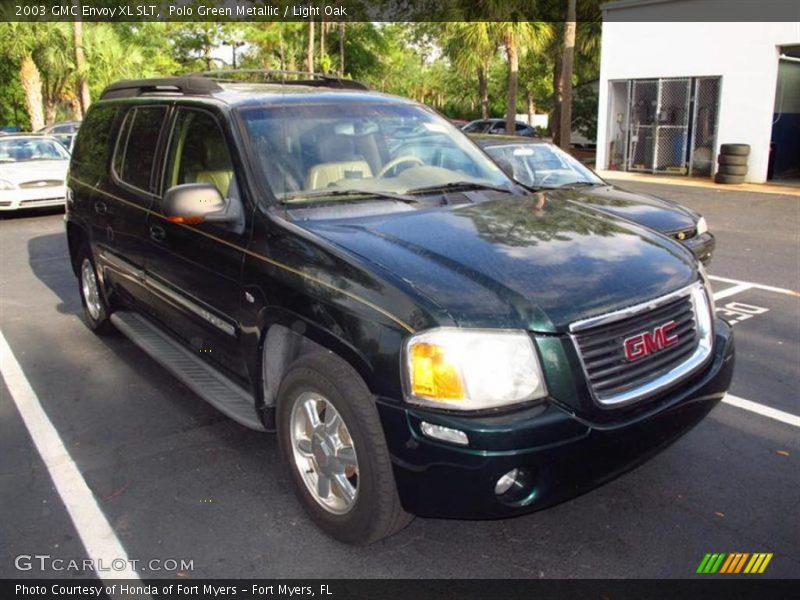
column 425, row 335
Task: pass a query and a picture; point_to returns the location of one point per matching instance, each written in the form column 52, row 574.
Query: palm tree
column 565, row 125
column 518, row 38
column 471, row 47
column 18, row 41
column 80, row 62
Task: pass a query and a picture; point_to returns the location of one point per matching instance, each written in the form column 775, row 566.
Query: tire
column 735, row 161
column 732, row 170
column 95, row 309
column 735, row 149
column 728, row 179
column 322, row 380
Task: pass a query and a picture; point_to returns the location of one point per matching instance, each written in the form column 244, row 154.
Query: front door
column 195, row 270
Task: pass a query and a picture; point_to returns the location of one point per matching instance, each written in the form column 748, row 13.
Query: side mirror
column 195, row 203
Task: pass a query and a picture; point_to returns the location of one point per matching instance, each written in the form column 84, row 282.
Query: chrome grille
column 612, row 377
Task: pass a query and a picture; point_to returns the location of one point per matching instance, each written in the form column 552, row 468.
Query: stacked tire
column 732, row 163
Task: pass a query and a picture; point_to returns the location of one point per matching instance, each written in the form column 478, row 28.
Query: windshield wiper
column 353, row 194
column 458, row 185
column 577, row 184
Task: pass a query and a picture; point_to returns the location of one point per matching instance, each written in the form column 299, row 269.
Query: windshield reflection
column 542, row 165
column 304, row 150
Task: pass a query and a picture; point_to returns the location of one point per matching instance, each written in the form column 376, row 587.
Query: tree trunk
column 513, row 73
column 50, row 112
column 31, row 81
column 322, row 27
column 80, row 62
column 75, row 109
column 483, row 92
column 555, row 117
column 310, row 57
column 341, row 49
column 531, row 109
column 565, row 128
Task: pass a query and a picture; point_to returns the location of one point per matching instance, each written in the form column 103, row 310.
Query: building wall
column 745, row 55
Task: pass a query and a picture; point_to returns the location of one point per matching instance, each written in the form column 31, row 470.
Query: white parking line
column 98, row 537
column 761, row 286
column 732, row 290
column 765, row 411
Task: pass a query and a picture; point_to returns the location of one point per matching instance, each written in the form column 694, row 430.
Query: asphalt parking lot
column 177, row 480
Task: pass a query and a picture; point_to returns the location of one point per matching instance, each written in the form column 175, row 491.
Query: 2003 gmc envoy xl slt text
column 424, row 335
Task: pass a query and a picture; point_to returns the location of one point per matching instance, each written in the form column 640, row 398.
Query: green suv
column 424, row 335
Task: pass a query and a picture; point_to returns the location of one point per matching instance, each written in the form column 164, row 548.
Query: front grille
column 41, row 183
column 39, row 201
column 602, row 349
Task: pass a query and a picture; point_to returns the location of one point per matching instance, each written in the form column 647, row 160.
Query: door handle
column 101, row 208
column 157, row 233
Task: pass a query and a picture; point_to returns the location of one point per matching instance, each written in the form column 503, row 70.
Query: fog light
column 506, row 481
column 446, row 434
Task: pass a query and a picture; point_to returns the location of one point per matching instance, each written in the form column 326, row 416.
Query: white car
column 33, row 170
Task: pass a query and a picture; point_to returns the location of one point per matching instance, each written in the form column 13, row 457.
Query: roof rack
column 188, row 85
column 281, row 76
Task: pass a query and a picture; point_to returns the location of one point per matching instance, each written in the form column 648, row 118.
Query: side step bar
column 203, row 379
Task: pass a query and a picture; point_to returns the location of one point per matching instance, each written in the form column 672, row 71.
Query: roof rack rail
column 281, row 76
column 188, row 85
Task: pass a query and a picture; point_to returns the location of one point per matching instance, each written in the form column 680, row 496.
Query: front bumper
column 560, row 454
column 39, row 197
column 702, row 246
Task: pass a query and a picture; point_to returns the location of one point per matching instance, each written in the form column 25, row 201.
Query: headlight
column 7, row 185
column 702, row 226
column 467, row 369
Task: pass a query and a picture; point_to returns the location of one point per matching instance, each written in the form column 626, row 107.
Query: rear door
column 195, row 271
column 121, row 209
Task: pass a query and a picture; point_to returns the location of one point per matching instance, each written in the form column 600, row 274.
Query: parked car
column 64, row 132
column 33, row 169
column 542, row 165
column 424, row 339
column 498, row 127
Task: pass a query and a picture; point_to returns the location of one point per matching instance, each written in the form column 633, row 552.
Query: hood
column 537, row 262
column 662, row 215
column 34, row 170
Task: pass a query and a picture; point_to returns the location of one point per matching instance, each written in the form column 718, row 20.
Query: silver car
column 32, row 172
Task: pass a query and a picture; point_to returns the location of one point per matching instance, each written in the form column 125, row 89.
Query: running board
column 203, row 379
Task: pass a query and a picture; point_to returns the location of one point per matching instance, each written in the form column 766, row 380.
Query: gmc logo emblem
column 647, row 343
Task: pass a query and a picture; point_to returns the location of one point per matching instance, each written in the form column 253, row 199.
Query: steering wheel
column 405, row 158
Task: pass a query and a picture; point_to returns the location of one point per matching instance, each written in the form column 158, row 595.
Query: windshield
column 307, row 150
column 19, row 150
column 542, row 165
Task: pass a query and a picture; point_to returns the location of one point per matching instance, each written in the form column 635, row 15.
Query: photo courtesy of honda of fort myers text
column 405, row 298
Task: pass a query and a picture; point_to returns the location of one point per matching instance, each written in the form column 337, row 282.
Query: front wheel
column 332, row 442
column 94, row 305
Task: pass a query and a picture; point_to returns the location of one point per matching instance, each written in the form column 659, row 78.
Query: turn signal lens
column 432, row 376
column 186, row 220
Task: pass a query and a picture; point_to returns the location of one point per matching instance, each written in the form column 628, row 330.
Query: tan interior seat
column 218, row 170
column 338, row 159
column 322, row 175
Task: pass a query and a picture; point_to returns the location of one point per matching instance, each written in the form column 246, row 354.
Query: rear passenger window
column 93, row 147
column 136, row 147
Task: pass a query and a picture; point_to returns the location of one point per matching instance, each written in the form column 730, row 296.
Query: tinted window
column 136, row 149
column 199, row 153
column 93, row 146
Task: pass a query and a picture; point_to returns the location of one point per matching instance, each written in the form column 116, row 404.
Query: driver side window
column 199, row 154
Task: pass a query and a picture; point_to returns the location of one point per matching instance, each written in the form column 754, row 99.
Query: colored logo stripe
column 734, row 562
